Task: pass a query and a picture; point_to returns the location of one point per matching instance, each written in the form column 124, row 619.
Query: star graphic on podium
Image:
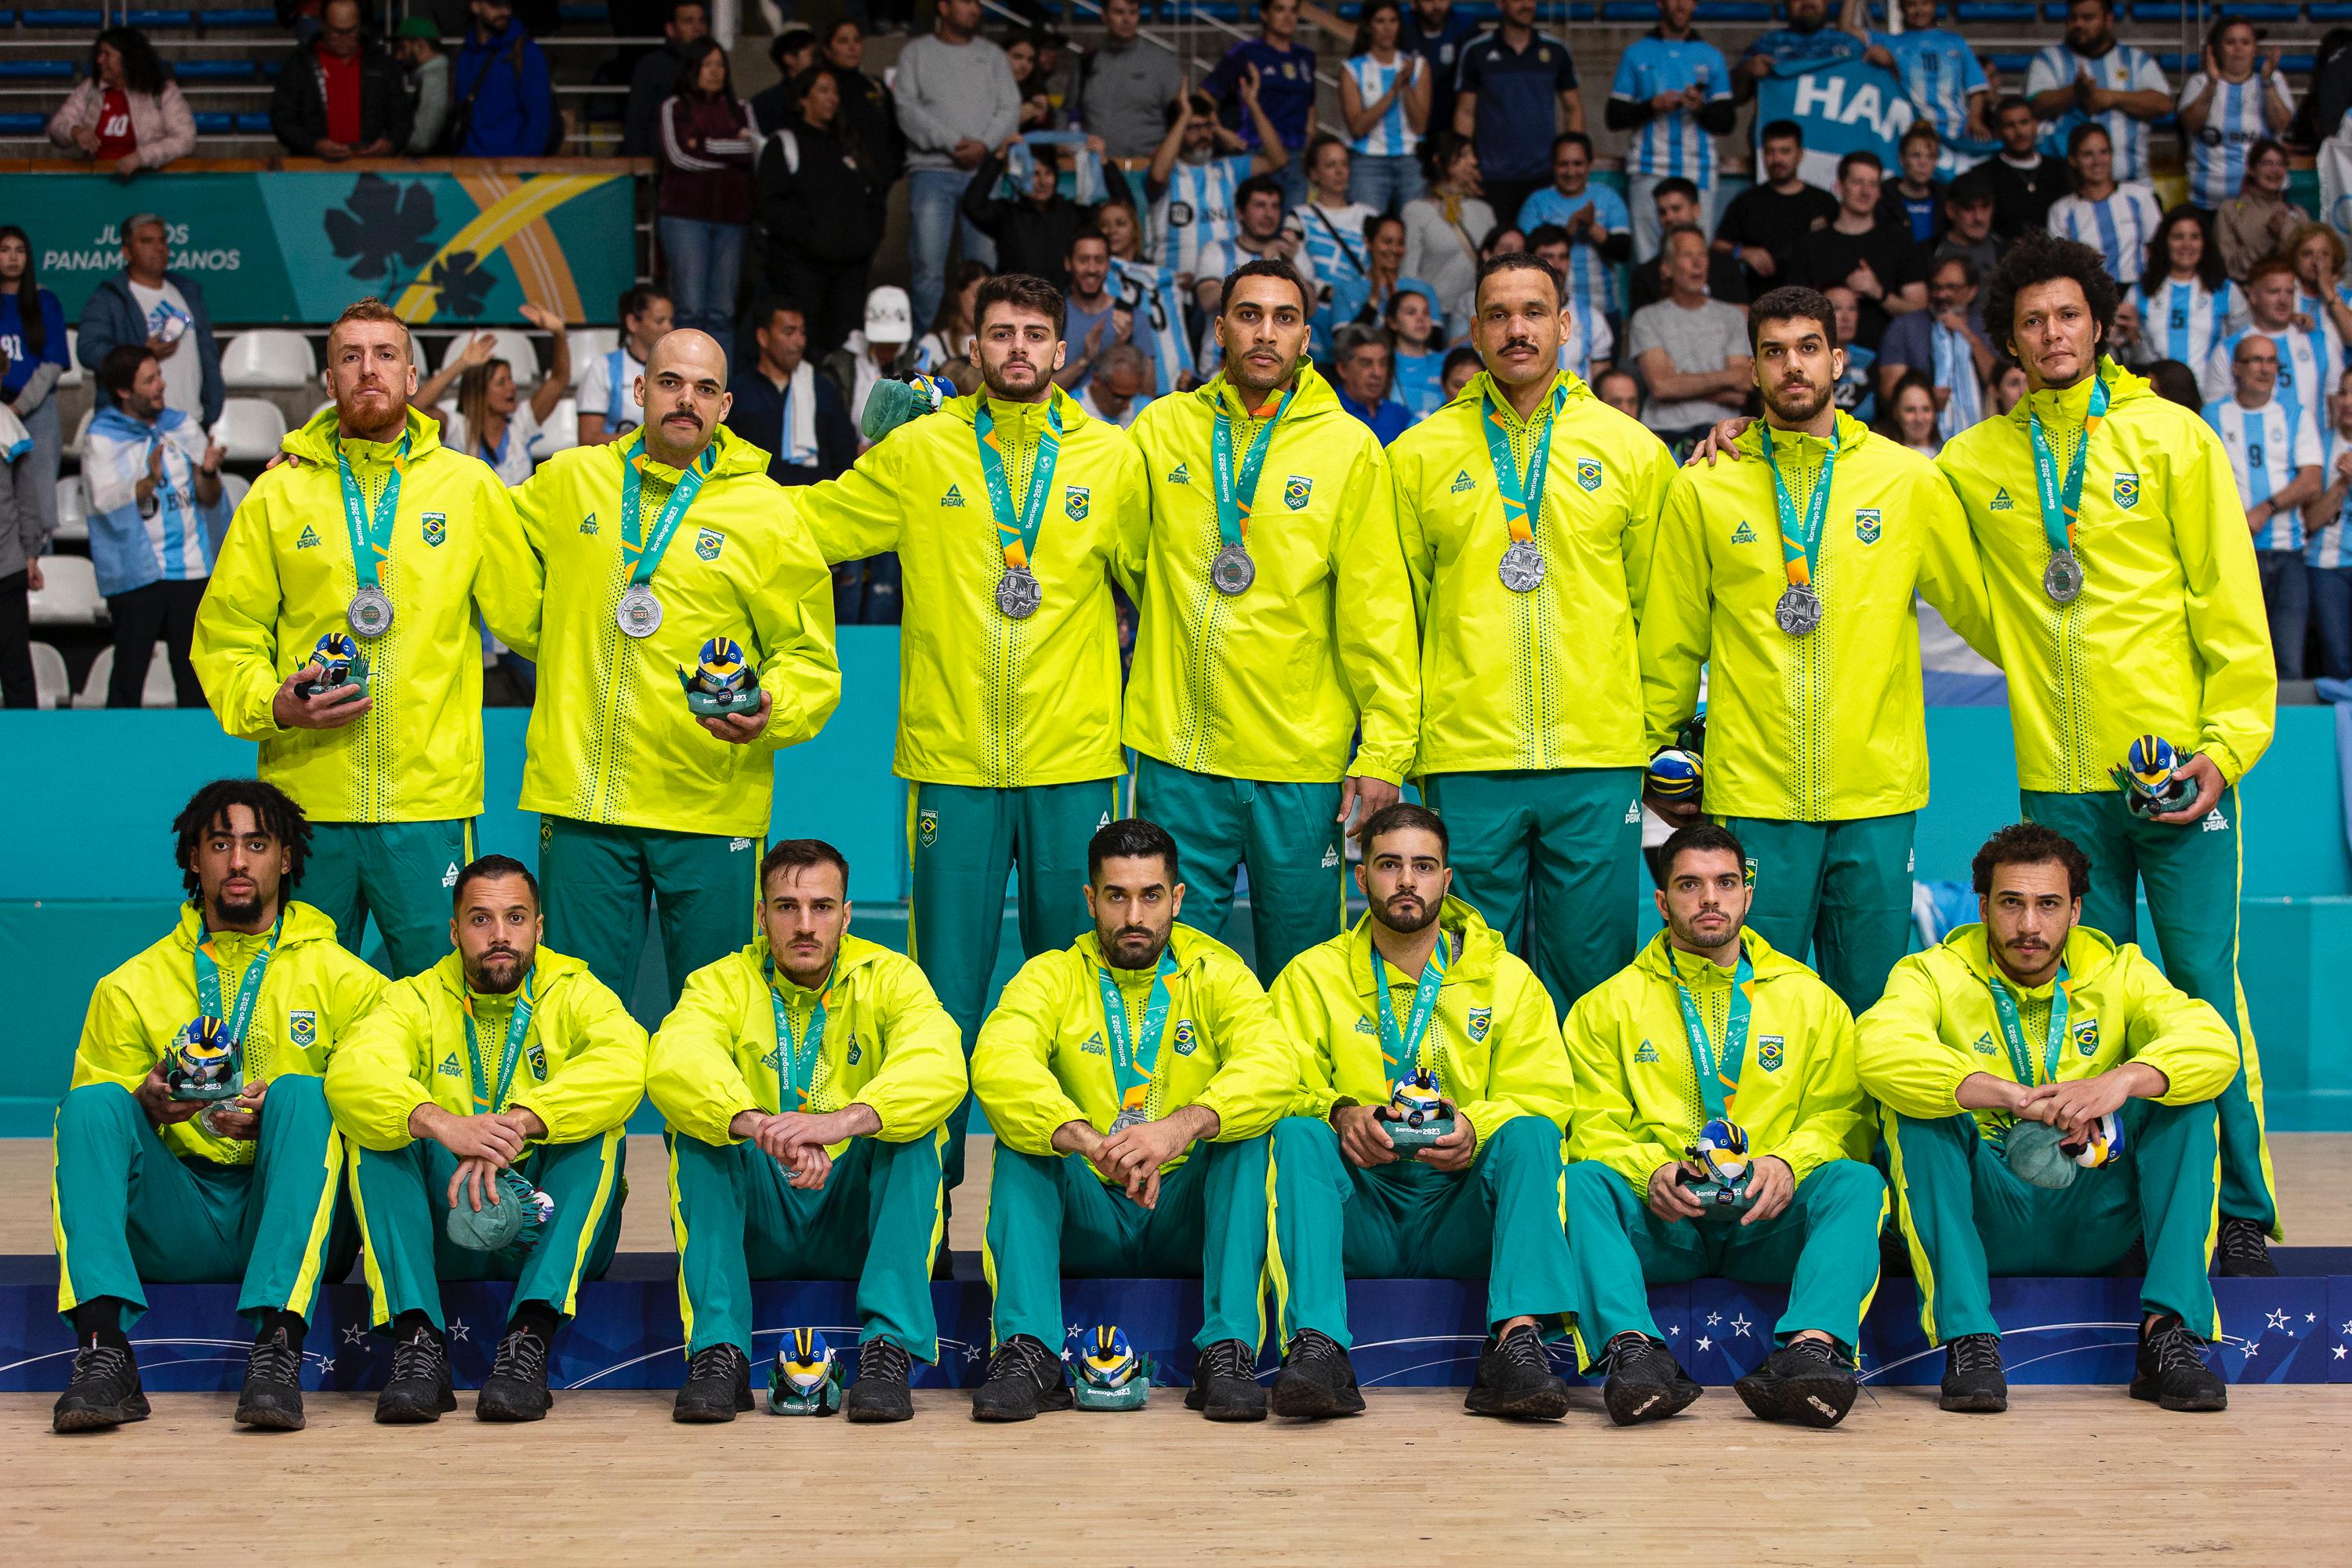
column 1705, row 1344
column 2277, row 1320
column 2311, row 1317
column 1071, row 1330
column 1715, row 1317
column 2253, row 1350
column 355, row 1335
column 1674, row 1331
column 2339, row 1352
column 1740, row 1325
column 326, row 1365
column 2347, row 1328
column 458, row 1330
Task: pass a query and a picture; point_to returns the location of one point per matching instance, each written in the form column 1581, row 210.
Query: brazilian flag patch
column 1185, row 1042
column 1479, row 1021
column 536, row 1055
column 1770, row 1052
column 1866, row 524
column 2086, row 1036
column 437, row 528
column 707, row 544
column 2127, row 491
column 1588, row 472
column 303, row 1028
column 1077, row 501
column 1296, row 491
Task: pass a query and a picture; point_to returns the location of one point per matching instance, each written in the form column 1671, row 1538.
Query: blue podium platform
column 1409, row 1333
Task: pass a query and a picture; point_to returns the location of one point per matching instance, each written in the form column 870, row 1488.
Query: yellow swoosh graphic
column 490, row 228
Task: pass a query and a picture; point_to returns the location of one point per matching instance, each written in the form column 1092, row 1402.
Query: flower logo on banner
column 383, row 229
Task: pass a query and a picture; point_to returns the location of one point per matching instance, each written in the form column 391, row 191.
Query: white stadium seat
column 52, row 685
column 249, row 430
column 561, row 431
column 75, row 375
column 158, row 692
column 233, row 489
column 268, row 359
column 81, row 430
column 513, row 347
column 68, row 594
column 591, row 343
column 73, row 509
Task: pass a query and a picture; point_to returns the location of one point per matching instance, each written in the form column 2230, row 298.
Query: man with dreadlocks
column 153, row 1184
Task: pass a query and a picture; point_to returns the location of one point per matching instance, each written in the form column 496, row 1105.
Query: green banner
column 442, row 248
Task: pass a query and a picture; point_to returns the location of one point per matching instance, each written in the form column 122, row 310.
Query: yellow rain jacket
column 611, row 738
column 583, row 1066
column 1638, row 1103
column 285, row 579
column 1272, row 683
column 1831, row 725
column 2169, row 636
column 983, row 699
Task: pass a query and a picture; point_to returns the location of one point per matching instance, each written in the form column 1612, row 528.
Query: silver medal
column 640, row 614
column 1232, row 571
column 1131, row 1117
column 370, row 613
column 1018, row 594
column 1798, row 611
column 1522, row 567
column 2063, row 578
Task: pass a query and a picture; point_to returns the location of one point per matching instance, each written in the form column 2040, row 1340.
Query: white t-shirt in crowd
column 610, row 388
column 514, row 462
column 183, row 370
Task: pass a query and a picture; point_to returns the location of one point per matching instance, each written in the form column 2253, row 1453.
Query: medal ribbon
column 2062, row 504
column 644, row 555
column 1236, row 496
column 371, row 537
column 1135, row 1063
column 518, row 1026
column 1018, row 536
column 1718, row 1078
column 235, row 1022
column 796, row 1064
column 2012, row 1030
column 1800, row 542
column 1522, row 502
column 1401, row 1053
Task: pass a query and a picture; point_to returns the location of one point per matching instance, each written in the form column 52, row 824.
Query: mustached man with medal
column 1710, row 1031
column 195, row 1143
column 806, row 1082
column 1277, row 620
column 1011, row 512
column 2048, row 1099
column 1131, row 1078
column 1420, row 999
column 1528, row 509
column 1790, row 578
column 337, row 631
column 498, row 1080
column 642, row 551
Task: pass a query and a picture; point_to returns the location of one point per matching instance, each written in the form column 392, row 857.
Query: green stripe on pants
column 400, row 872
column 1285, row 832
column 595, row 883
column 1840, row 890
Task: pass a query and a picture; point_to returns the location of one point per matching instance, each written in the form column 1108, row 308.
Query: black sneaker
column 419, row 1388
column 2244, row 1251
column 1024, row 1378
column 1973, row 1381
column 1224, row 1383
column 717, row 1384
column 1515, row 1378
column 516, row 1389
column 1316, row 1381
column 1809, row 1382
column 880, row 1392
column 2172, row 1370
column 103, row 1392
column 1645, row 1382
column 272, row 1396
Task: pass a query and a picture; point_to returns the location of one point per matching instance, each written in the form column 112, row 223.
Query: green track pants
column 878, row 1220
column 1500, row 1220
column 400, row 872
column 1966, row 1217
column 1839, row 889
column 1824, row 1246
column 1285, row 832
column 1050, row 1215
column 2194, row 875
column 595, row 883
column 126, row 1209
column 1550, row 858
column 403, row 1196
column 965, row 841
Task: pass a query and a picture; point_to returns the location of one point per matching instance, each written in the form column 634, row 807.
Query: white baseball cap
column 890, row 316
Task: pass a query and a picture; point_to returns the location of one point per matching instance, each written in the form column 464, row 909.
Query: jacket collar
column 1807, row 450
column 303, row 924
column 1483, row 384
column 1315, row 397
column 317, row 441
column 1656, row 960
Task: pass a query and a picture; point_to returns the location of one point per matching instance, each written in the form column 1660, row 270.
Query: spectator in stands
column 1030, row 84
column 426, row 70
column 1281, row 73
column 1946, row 342
column 2327, row 548
column 1094, row 319
column 1384, row 91
column 2234, row 100
column 1807, row 41
column 2127, row 341
column 609, row 406
column 1588, row 342
column 2026, row 182
column 704, row 196
column 1120, row 385
column 1033, row 232
column 1911, row 416
column 504, row 89
column 1692, row 350
column 146, row 303
column 869, row 115
column 2010, row 384
column 2091, row 76
column 1676, row 201
column 949, row 339
column 1599, row 231
column 1260, row 234
column 1619, row 389
column 1194, row 174
column 2274, row 455
column 791, row 51
column 1516, row 91
column 1417, row 353
column 2188, row 304
column 818, row 207
column 341, row 97
column 2253, row 224
column 654, row 79
column 1360, row 357
column 2173, row 382
column 126, row 115
column 2115, row 219
column 1673, row 90
column 1445, row 228
column 1878, row 261
column 2317, row 252
column 1126, row 85
column 783, row 405
column 1366, row 300
column 955, row 101
column 2303, row 378
column 1857, row 389
column 1913, row 201
column 1330, row 226
column 883, row 350
column 1763, row 225
column 2322, row 109
column 22, row 538
column 155, row 505
column 33, row 345
column 1433, row 30
column 490, row 417
column 1967, row 222
column 1940, row 73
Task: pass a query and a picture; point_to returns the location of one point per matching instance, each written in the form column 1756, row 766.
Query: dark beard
column 483, row 983
column 228, row 914
column 1420, row 922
